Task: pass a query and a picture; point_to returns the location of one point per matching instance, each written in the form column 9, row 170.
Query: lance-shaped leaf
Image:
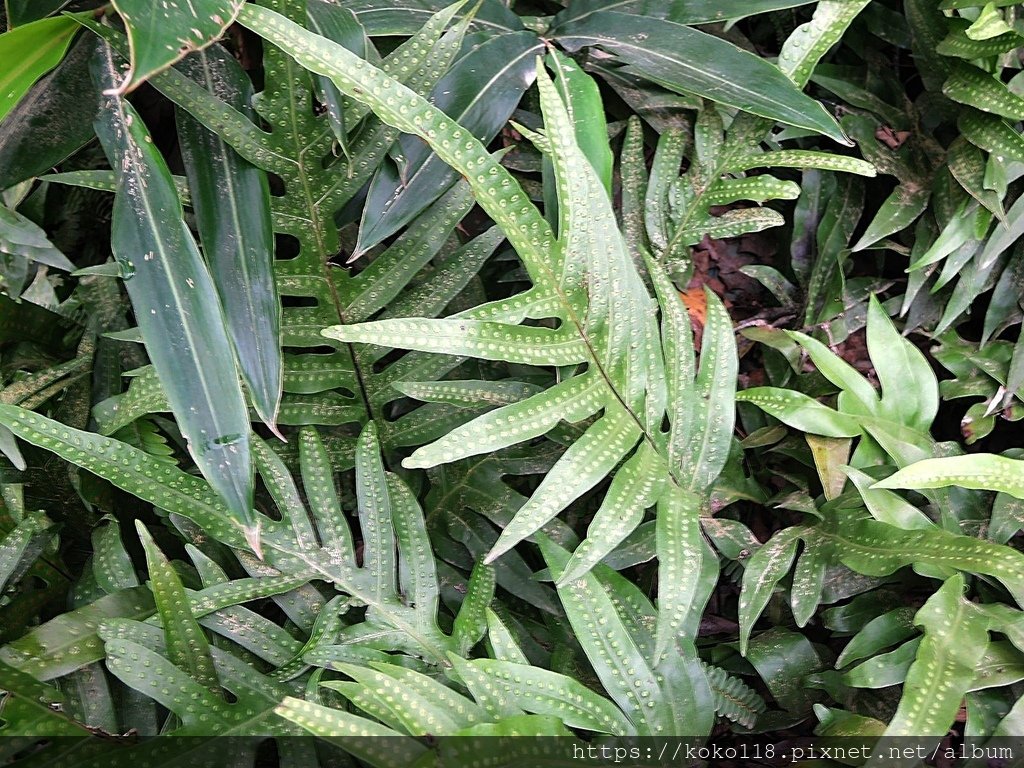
column 480, row 92
column 21, row 546
column 624, row 672
column 977, row 88
column 30, row 51
column 471, row 622
column 187, row 646
column 31, row 709
column 985, row 471
column 901, row 368
column 799, row 411
column 810, row 41
column 955, row 640
column 162, row 33
column 175, row 303
column 543, row 692
column 636, row 486
column 66, row 100
column 340, row 25
column 686, row 59
column 231, row 199
column 359, row 736
column 690, row 12
column 878, row 549
column 764, row 570
column 680, row 555
column 22, row 237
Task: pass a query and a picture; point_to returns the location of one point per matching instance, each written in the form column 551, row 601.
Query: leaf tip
column 252, row 538
column 275, row 430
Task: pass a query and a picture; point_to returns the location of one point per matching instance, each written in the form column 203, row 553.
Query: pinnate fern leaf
column 586, row 281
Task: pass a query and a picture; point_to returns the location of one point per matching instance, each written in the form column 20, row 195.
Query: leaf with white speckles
column 587, row 461
column 802, row 158
column 799, row 411
column 357, row 735
column 187, row 646
column 763, row 571
column 878, row 549
column 635, row 487
column 543, row 692
column 471, row 621
column 586, row 279
column 161, row 33
column 624, row 672
column 420, row 704
column 955, row 640
column 680, row 555
column 69, row 641
column 21, row 546
column 986, row 471
column 112, row 566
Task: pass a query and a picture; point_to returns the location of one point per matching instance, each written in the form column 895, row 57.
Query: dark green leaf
column 175, row 303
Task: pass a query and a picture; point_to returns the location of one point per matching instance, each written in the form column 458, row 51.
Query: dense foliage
column 599, row 369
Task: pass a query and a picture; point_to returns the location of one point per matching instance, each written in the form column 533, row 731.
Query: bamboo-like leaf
column 31, row 51
column 231, row 199
column 21, row 237
column 480, row 92
column 901, row 367
column 340, row 25
column 586, row 111
column 161, row 35
column 855, row 387
column 680, row 57
column 175, row 304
